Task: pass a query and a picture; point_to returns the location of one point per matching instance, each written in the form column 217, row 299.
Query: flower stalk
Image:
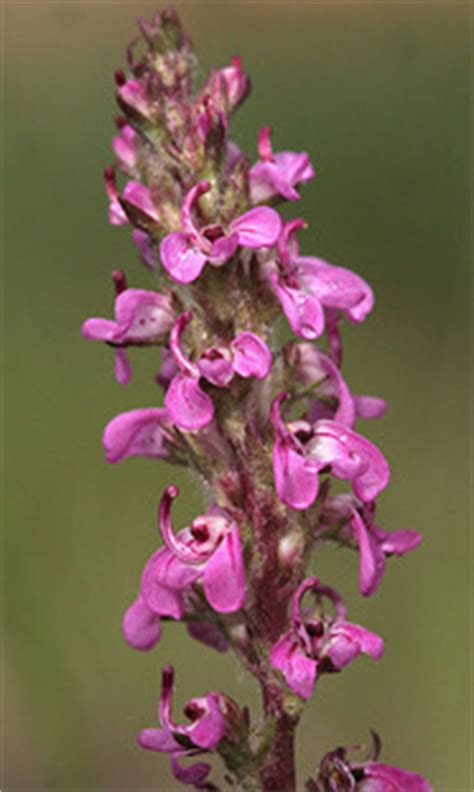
column 266, row 427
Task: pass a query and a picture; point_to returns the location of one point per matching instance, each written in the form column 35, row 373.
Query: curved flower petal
column 224, row 574
column 207, row 730
column 223, row 248
column 183, row 262
column 208, row 634
column 385, row 778
column 372, row 557
column 350, row 456
column 189, row 407
column 303, row 311
column 259, row 227
column 141, row 626
column 194, row 774
column 370, row 406
column 142, row 316
column 252, row 357
column 136, row 433
column 216, row 366
column 123, row 369
column 298, row 669
column 97, row 329
column 164, row 582
column 296, row 483
column 335, row 287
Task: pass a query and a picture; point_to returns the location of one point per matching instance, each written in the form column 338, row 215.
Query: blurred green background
column 378, row 94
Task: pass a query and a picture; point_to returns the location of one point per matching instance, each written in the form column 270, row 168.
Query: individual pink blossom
column 337, row 773
column 277, row 174
column 311, row 365
column 141, row 432
column 132, row 96
column 306, row 285
column 185, row 253
column 141, row 318
column 302, row 450
column 208, row 554
column 322, row 644
column 204, row 732
column 228, row 86
column 134, row 193
column 374, row 544
column 190, row 407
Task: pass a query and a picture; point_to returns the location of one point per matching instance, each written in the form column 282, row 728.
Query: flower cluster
column 268, row 427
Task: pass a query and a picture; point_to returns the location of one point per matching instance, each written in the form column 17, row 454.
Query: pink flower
column 309, row 287
column 205, row 731
column 184, row 253
column 333, row 396
column 321, row 644
column 132, row 96
column 373, row 543
column 207, row 554
column 189, row 406
column 337, row 774
column 302, row 450
column 141, row 318
column 277, row 174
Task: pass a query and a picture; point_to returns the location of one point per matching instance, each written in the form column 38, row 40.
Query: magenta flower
column 141, row 318
column 322, row 644
column 229, row 86
column 136, row 194
column 374, row 544
column 308, row 287
column 132, row 96
column 277, row 174
column 302, row 450
column 334, row 398
column 184, row 253
column 337, row 774
column 208, row 554
column 204, row 733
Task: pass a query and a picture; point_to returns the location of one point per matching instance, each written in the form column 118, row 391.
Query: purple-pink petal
column 223, row 248
column 335, row 287
column 259, row 227
column 183, row 262
column 136, row 433
column 296, row 483
column 158, row 740
column 208, row 730
column 370, row 406
column 97, row 329
column 224, row 574
column 372, row 557
column 379, row 777
column 303, row 311
column 216, row 366
column 252, row 357
column 193, row 774
column 141, row 626
column 298, row 669
column 189, row 407
column 209, row 634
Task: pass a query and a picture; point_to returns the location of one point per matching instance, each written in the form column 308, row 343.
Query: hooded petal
column 137, row 194
column 335, row 287
column 398, row 542
column 298, row 669
column 141, row 626
column 216, row 366
column 142, row 316
column 257, row 228
column 252, row 357
column 296, row 483
column 208, row 730
column 350, row 456
column 189, row 407
column 224, row 574
column 303, row 311
column 164, row 582
column 347, row 641
column 139, row 432
column 372, row 557
column 223, row 248
column 183, row 262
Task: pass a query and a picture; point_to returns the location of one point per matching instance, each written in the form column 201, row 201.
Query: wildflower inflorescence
column 267, row 427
